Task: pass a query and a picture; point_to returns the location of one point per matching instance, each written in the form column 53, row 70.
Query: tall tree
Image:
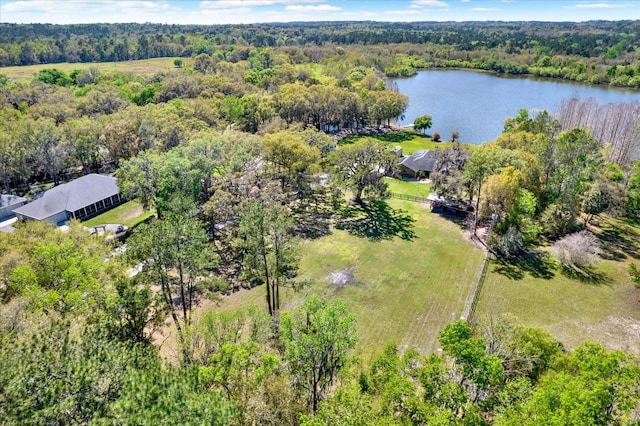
column 156, row 179
column 45, row 139
column 423, row 122
column 318, row 336
column 82, row 135
column 447, row 179
column 632, row 199
column 386, row 106
column 269, row 249
column 478, row 371
column 577, row 156
column 174, row 254
column 168, row 395
column 484, row 162
column 291, row 159
column 361, row 167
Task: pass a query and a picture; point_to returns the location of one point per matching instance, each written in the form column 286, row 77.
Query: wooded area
column 236, row 151
column 601, row 52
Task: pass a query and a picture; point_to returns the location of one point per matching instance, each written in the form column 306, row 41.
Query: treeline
column 85, row 120
column 598, row 51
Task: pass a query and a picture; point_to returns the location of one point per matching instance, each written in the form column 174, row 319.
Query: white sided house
column 81, row 198
column 8, row 203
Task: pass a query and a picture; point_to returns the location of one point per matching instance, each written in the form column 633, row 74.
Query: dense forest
column 599, row 52
column 238, row 152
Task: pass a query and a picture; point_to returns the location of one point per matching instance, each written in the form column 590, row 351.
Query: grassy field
column 605, row 310
column 403, row 290
column 315, row 70
column 408, row 187
column 130, row 214
column 408, row 140
column 143, row 67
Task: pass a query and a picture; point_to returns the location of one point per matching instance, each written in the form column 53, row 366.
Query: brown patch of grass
column 142, row 67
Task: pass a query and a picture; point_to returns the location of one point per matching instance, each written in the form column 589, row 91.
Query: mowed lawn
column 130, row 214
column 403, row 291
column 408, row 187
column 605, row 311
column 410, row 141
column 143, row 67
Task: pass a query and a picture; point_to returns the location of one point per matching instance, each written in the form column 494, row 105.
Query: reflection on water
column 476, row 104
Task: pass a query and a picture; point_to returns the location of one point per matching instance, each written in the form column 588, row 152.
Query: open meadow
column 407, row 290
column 605, row 309
column 139, row 67
column 402, row 288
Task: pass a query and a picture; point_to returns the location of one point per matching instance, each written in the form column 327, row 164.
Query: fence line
column 410, row 197
column 470, row 310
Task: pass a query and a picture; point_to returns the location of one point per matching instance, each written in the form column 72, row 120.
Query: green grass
column 316, row 71
column 143, row 67
column 409, row 141
column 408, row 187
column 405, row 291
column 604, row 311
column 130, row 214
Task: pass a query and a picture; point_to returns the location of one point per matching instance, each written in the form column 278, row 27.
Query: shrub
column 558, row 220
column 436, row 137
column 577, row 250
column 508, row 245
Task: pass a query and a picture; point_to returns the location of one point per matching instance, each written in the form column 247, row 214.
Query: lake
column 477, row 103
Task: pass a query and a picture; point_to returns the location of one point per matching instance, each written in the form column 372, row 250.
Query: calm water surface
column 476, row 104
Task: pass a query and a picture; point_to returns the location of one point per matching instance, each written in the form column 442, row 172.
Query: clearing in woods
column 141, row 67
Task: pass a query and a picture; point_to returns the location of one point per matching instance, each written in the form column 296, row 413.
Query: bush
column 558, row 220
column 508, row 245
column 577, row 250
column 436, row 137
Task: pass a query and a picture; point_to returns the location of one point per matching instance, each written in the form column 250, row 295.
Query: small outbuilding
column 81, row 198
column 8, row 203
column 419, row 164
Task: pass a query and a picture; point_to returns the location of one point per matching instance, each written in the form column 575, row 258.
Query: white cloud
column 485, row 9
column 601, row 6
column 21, row 6
column 82, row 5
column 313, row 8
column 223, row 4
column 74, row 11
column 428, row 3
column 402, row 12
column 230, row 12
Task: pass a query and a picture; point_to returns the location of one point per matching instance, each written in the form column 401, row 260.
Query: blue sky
column 250, row 11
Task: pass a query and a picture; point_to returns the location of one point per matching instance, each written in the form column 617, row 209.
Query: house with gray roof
column 8, row 203
column 420, row 163
column 81, row 198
